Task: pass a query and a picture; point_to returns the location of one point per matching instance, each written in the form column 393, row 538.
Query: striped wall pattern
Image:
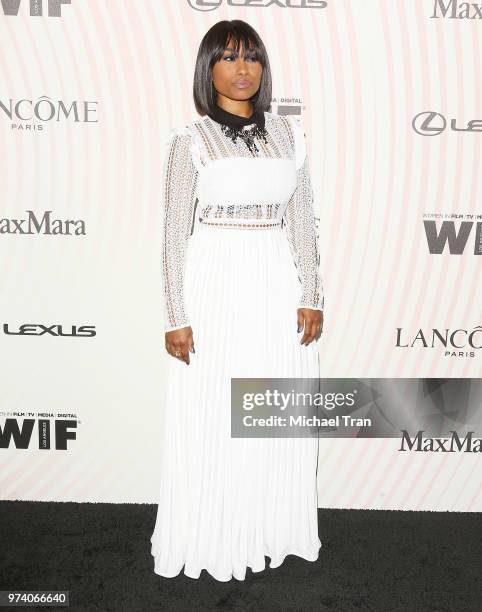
column 359, row 74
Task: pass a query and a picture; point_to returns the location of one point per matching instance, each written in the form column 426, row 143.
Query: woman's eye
column 252, row 58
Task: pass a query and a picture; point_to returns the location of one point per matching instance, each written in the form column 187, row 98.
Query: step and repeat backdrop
column 390, row 98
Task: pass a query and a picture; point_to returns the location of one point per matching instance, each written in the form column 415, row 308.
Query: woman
column 236, row 288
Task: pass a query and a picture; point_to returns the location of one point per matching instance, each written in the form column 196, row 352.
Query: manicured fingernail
column 299, row 329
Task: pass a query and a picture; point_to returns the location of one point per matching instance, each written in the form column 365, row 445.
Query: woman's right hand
column 179, row 342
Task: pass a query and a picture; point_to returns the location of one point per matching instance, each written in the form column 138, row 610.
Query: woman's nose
column 241, row 65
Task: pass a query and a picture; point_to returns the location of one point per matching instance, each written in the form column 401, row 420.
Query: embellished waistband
column 241, row 224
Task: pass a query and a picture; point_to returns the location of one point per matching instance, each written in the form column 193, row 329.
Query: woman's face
column 237, row 76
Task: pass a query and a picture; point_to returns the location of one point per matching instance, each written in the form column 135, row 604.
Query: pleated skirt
column 225, row 503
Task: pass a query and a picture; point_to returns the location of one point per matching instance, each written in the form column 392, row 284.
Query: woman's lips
column 242, row 84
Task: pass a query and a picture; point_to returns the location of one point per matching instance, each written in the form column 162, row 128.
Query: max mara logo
column 54, row 7
column 469, row 444
column 456, row 10
column 45, row 225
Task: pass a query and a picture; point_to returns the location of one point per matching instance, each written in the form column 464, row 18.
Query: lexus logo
column 431, row 123
column 211, row 5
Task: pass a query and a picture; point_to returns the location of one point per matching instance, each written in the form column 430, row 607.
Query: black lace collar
column 234, row 126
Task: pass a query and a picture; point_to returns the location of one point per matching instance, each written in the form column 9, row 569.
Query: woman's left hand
column 312, row 322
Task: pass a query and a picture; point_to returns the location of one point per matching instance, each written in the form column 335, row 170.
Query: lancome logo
column 456, row 342
column 431, row 123
column 46, row 225
column 448, row 235
column 454, row 444
column 45, row 110
column 10, row 7
column 37, row 329
column 211, row 5
column 458, row 10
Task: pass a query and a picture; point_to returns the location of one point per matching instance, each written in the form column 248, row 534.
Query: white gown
column 224, row 502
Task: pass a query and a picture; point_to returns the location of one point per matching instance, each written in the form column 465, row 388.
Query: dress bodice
column 230, row 181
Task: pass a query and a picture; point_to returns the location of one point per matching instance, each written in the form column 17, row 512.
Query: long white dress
column 224, row 502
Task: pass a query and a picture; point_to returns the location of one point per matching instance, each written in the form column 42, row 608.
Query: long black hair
column 211, row 49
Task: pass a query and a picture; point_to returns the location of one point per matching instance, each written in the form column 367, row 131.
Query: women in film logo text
column 52, row 432
column 36, row 8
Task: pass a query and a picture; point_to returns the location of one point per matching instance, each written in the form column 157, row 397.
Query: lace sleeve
column 179, row 189
column 299, row 223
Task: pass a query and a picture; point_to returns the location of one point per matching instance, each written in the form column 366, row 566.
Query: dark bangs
column 211, row 50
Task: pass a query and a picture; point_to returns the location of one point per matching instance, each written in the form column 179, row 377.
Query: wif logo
column 54, row 7
column 455, row 239
column 54, row 432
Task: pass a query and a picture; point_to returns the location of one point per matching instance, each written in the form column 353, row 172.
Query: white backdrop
column 88, row 95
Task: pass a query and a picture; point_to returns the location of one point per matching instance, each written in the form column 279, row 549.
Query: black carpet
column 370, row 560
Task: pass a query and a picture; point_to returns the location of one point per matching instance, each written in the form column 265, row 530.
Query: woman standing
column 243, row 298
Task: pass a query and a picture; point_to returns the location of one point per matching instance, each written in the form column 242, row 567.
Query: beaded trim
column 240, row 225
